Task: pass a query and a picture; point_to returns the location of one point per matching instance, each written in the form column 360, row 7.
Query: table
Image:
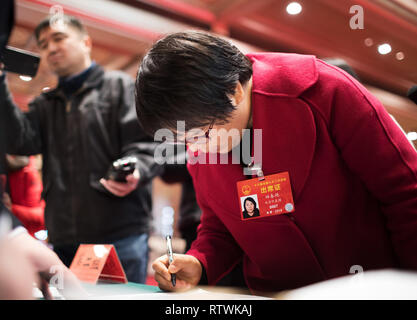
column 136, row 291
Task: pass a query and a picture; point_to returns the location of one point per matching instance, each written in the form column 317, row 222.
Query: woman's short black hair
column 189, row 76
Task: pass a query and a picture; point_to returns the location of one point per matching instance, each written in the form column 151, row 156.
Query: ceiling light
column 294, row 8
column 412, row 136
column 25, row 78
column 384, row 48
column 369, row 42
column 400, row 55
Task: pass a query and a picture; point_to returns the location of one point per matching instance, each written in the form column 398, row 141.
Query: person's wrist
column 202, row 272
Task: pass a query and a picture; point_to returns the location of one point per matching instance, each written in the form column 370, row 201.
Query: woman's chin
column 223, row 149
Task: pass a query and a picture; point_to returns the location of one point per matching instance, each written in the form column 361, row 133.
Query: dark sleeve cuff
column 203, row 280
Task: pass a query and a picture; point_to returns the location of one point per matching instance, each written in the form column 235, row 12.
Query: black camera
column 121, row 168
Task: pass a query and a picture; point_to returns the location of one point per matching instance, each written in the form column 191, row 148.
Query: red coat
column 353, row 175
column 25, row 192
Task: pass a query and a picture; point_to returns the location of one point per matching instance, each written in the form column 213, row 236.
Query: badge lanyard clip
column 256, row 169
column 252, row 168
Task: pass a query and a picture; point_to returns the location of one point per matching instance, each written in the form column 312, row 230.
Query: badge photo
column 250, row 206
column 267, row 197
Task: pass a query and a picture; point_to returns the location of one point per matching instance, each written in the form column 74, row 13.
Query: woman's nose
column 194, row 147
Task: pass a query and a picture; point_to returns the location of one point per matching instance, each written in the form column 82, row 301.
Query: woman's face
column 249, row 206
column 223, row 138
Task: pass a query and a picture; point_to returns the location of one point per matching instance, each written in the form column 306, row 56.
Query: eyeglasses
column 202, row 139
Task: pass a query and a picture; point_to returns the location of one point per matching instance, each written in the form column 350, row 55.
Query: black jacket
column 79, row 138
column 6, row 25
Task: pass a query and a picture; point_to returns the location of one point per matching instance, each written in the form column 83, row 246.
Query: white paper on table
column 385, row 284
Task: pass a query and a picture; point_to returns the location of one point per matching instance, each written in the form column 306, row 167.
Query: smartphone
column 20, row 61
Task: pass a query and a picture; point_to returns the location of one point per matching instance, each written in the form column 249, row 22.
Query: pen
column 170, row 258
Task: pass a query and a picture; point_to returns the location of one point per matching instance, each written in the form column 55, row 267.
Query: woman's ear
column 238, row 95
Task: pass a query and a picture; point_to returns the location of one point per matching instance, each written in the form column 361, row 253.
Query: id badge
column 268, row 197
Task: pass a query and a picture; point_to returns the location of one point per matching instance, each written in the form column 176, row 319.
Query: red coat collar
column 283, row 74
column 287, row 122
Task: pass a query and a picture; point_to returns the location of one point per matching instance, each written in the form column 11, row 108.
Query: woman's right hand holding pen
column 188, row 271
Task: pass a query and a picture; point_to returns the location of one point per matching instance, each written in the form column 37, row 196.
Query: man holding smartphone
column 7, row 19
column 81, row 127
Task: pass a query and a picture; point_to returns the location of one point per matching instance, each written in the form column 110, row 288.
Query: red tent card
column 94, row 262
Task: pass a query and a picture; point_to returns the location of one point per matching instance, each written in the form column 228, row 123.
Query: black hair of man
column 66, row 20
column 189, row 76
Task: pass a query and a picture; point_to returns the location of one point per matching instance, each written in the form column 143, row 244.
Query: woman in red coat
column 349, row 172
column 25, row 187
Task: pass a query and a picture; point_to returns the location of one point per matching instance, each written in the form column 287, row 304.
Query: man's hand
column 39, row 263
column 122, row 189
column 16, row 274
column 187, row 268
